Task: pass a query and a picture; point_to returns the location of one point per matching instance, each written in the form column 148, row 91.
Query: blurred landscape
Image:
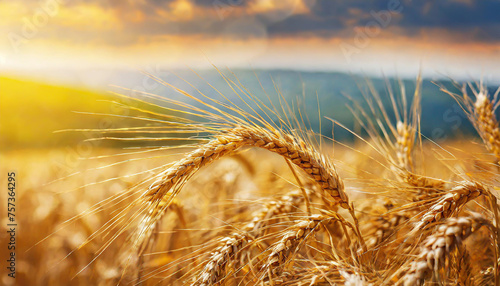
column 33, row 111
column 57, row 58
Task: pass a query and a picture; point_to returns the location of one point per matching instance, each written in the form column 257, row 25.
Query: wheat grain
column 437, row 247
column 354, row 279
column 486, row 122
column 481, row 113
column 228, row 253
column 405, row 140
column 463, row 268
column 423, row 184
column 451, row 203
column 317, row 275
column 168, row 184
column 290, row 240
column 283, row 205
column 384, row 226
column 297, row 151
column 215, row 269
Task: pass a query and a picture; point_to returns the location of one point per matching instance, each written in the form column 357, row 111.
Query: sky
column 447, row 38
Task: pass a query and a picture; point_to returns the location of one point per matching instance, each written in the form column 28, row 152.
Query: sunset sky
column 457, row 38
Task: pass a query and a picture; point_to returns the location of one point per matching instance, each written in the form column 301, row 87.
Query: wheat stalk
column 354, row 279
column 404, row 166
column 481, row 113
column 438, row 246
column 486, row 122
column 168, row 184
column 297, row 151
column 450, row 203
column 215, row 269
column 283, row 205
column 224, row 255
column 396, row 142
column 463, row 268
column 384, row 226
column 405, row 139
column 317, row 275
column 143, row 237
column 290, row 241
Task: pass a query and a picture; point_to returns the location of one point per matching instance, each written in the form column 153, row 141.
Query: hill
column 31, row 111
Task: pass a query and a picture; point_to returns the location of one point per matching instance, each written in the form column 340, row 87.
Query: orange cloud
column 178, row 11
column 268, row 6
column 175, row 34
column 90, row 16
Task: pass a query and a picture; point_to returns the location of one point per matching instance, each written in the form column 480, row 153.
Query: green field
column 32, row 111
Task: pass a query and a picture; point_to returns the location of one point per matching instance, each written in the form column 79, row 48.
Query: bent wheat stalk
column 297, row 151
column 161, row 192
column 143, row 237
column 451, row 203
column 283, row 205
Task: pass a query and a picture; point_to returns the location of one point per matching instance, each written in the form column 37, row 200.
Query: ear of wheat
column 228, row 253
column 170, row 181
column 290, row 240
column 229, row 130
column 450, row 203
column 397, row 141
column 481, row 112
column 438, row 246
column 486, row 122
column 314, row 164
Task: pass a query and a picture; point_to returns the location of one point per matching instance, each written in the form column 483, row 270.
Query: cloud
column 465, row 19
column 478, row 19
column 329, row 18
column 120, row 22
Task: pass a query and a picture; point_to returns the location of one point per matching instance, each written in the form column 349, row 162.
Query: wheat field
column 240, row 191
